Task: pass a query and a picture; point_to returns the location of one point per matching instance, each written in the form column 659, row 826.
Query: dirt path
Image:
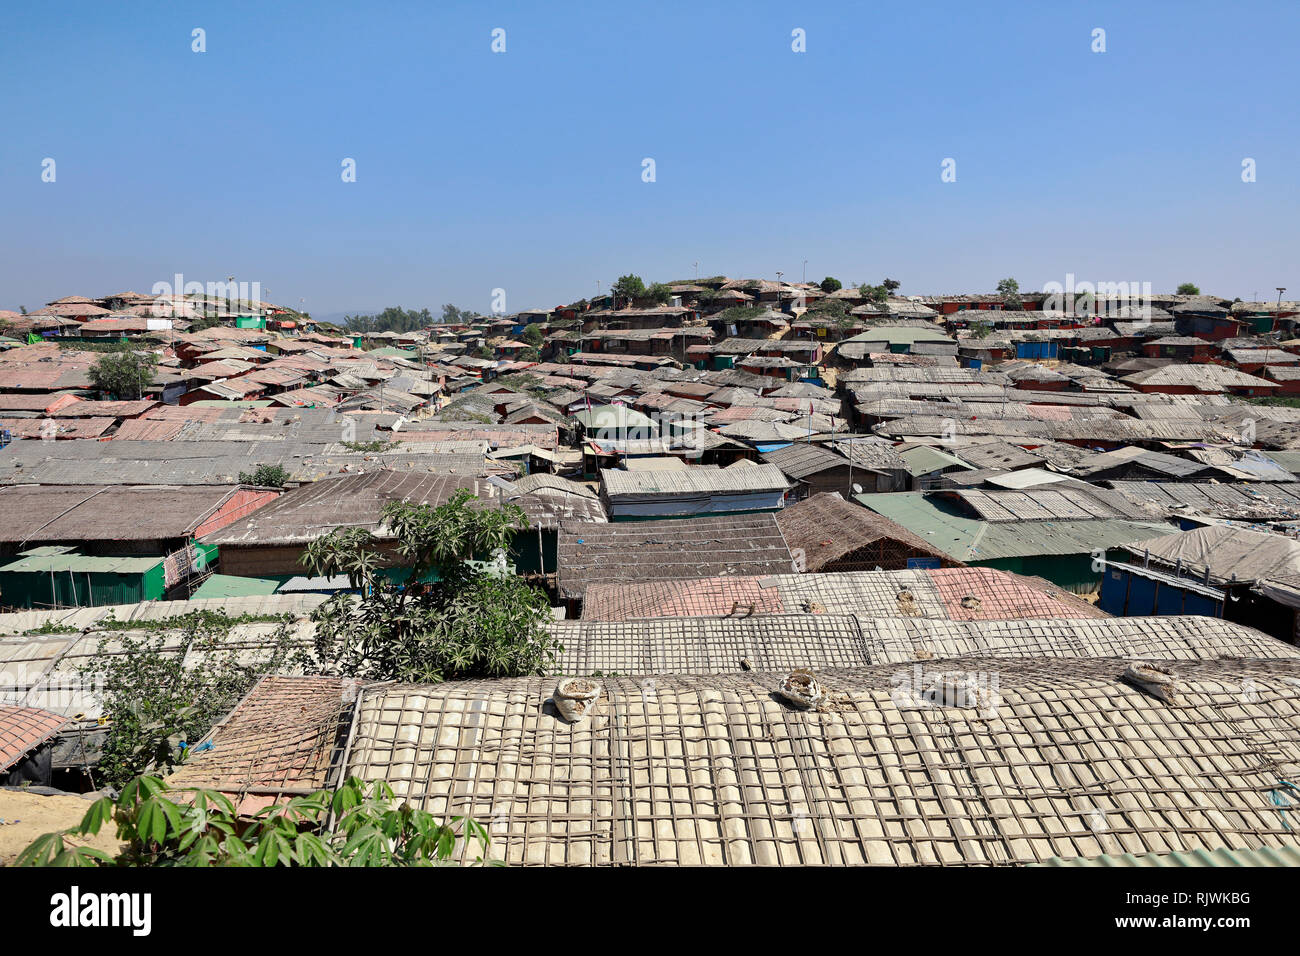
column 37, row 815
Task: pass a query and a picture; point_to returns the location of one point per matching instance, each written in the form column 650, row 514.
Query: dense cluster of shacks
column 915, row 580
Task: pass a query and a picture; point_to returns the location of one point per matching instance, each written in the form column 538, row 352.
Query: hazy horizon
column 522, row 170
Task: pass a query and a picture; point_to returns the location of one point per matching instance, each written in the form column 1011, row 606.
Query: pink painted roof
column 22, row 729
column 955, row 594
column 1003, row 596
column 148, row 429
column 282, row 735
column 63, row 428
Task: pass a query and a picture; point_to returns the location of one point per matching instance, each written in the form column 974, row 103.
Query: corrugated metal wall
column 79, row 589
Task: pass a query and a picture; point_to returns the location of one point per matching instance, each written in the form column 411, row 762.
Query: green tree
column 877, row 295
column 532, row 335
column 1189, row 288
column 738, row 313
column 831, row 284
column 1009, row 290
column 354, row 825
column 392, row 319
column 153, row 702
column 658, row 294
column 445, row 618
column 265, row 476
column 124, row 374
column 829, row 309
column 628, row 288
column 454, row 316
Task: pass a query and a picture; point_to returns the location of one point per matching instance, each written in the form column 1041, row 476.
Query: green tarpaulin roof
column 230, row 585
column 47, row 560
column 922, row 460
column 972, row 539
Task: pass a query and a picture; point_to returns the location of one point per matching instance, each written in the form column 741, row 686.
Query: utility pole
column 1280, row 290
column 848, row 440
column 805, row 272
column 778, row 289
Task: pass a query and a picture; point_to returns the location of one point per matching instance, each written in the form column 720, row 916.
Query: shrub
column 123, row 374
column 153, row 702
column 265, row 476
column 202, row 829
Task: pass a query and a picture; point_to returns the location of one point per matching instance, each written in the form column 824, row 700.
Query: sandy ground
column 37, row 815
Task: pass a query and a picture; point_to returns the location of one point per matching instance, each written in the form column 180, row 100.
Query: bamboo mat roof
column 1072, row 761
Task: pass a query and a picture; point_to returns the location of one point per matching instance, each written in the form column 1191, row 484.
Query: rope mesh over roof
column 723, row 645
column 717, row 770
column 944, row 593
column 44, row 670
column 281, row 739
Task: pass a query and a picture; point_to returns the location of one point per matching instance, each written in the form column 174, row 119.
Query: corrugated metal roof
column 87, row 563
column 923, row 459
column 230, row 585
column 699, row 479
column 663, row 550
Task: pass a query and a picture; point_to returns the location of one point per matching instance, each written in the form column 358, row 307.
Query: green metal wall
column 79, row 589
column 1069, row 572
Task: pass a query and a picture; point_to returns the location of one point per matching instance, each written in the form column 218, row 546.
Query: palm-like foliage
column 201, row 828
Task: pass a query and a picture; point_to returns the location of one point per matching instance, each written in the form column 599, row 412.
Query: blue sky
column 523, row 170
